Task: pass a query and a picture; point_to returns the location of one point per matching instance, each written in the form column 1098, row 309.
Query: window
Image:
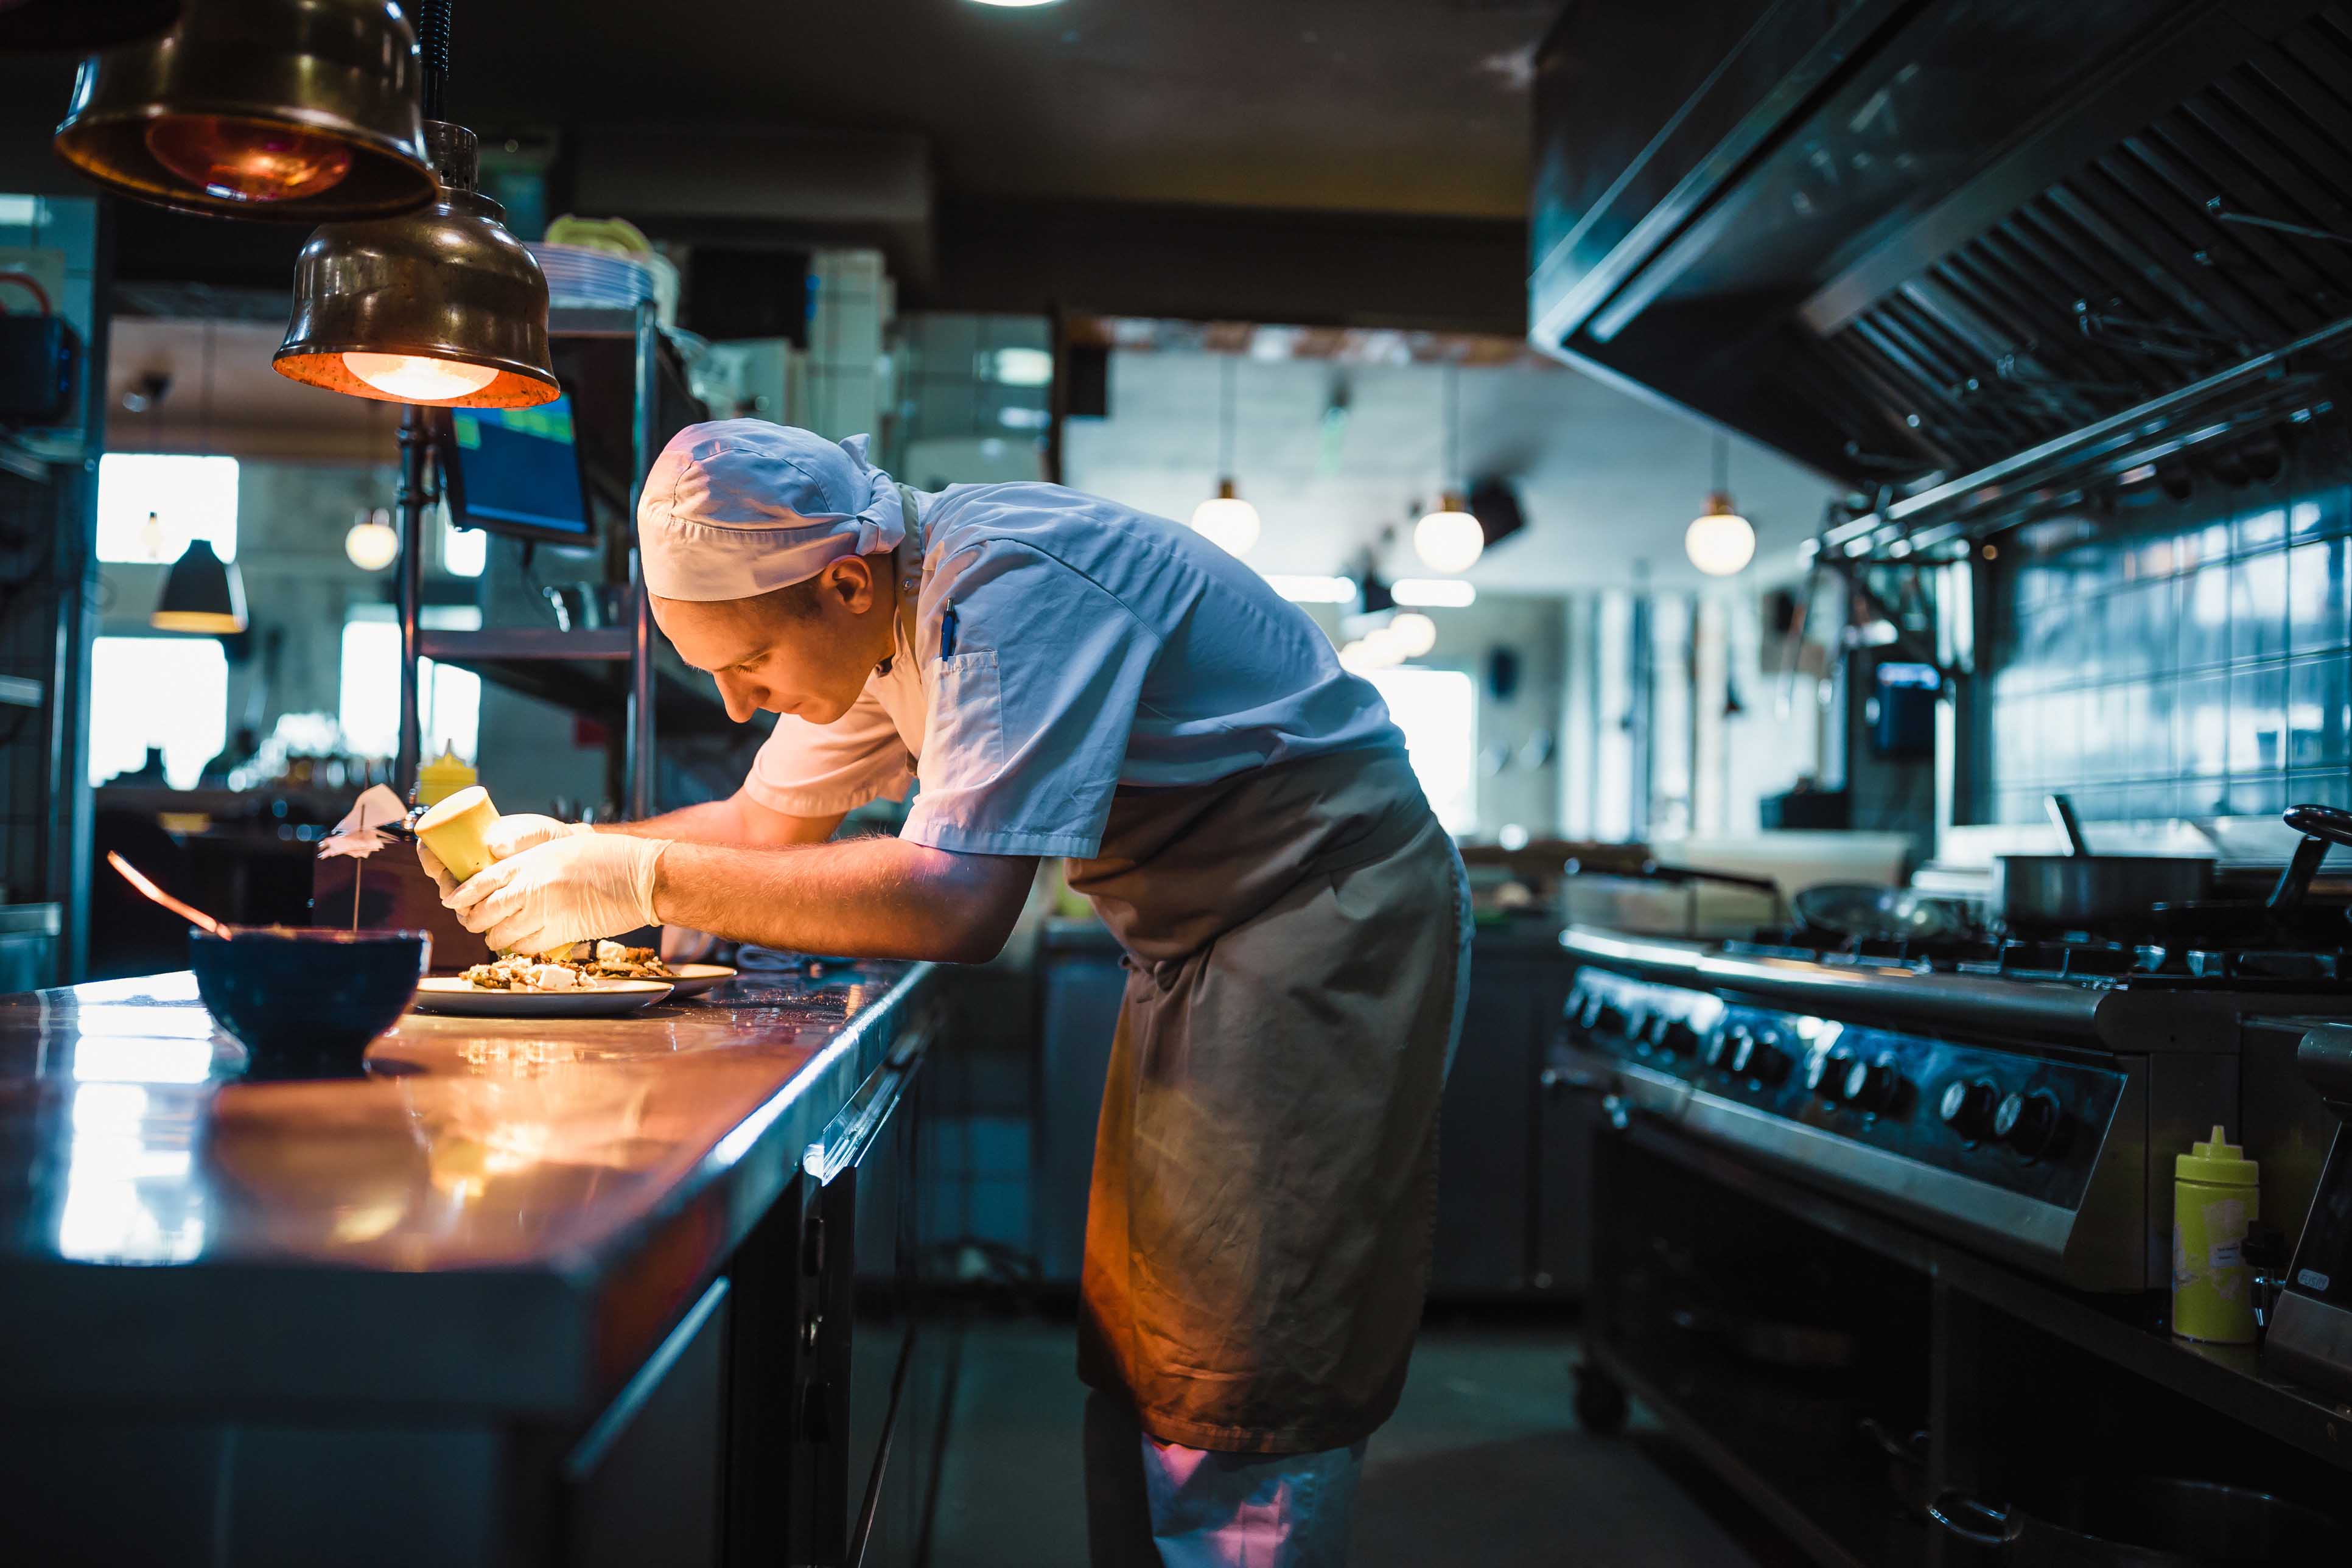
column 188, row 497
column 449, row 700
column 464, row 551
column 169, row 693
column 1438, row 712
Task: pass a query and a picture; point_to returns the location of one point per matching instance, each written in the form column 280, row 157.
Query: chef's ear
column 850, row 581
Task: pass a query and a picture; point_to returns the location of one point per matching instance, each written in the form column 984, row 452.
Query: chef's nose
column 742, row 697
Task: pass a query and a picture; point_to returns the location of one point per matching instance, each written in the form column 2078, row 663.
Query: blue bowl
column 305, row 1001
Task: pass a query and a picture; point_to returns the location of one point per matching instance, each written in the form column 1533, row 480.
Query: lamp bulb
column 1722, row 541
column 1226, row 520
column 247, row 160
column 417, row 378
column 1449, row 539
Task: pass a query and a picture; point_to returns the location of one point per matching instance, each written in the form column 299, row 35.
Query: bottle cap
column 2219, row 1161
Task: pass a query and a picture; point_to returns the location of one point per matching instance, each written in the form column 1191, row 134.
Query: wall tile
column 2318, row 712
column 2316, row 595
column 2258, row 607
column 2328, row 787
column 2061, row 735
column 2202, row 724
column 2257, row 722
column 2103, row 739
column 2323, row 513
column 2204, row 634
column 2259, row 528
column 2203, row 797
column 2256, row 797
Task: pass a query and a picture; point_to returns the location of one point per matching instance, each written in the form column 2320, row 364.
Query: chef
column 1054, row 674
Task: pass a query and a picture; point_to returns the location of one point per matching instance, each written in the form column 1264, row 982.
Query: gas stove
column 2024, row 1097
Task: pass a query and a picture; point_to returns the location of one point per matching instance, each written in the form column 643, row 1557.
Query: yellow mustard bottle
column 443, row 776
column 2214, row 1197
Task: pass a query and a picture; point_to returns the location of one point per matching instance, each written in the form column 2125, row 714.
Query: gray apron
column 1265, row 1166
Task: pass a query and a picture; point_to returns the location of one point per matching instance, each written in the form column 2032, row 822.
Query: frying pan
column 2079, row 890
column 1874, row 913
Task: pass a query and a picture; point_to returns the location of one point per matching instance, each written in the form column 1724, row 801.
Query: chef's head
column 767, row 554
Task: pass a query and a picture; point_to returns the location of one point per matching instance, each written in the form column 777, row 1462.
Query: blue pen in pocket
column 948, row 630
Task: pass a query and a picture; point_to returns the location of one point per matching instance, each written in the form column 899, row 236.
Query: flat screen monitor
column 517, row 471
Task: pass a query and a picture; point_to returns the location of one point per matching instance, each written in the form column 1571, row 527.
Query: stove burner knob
column 1825, row 1074
column 1967, row 1107
column 1871, row 1086
column 1723, row 1045
column 2029, row 1123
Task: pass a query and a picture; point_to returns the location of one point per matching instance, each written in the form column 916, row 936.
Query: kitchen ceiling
column 1361, row 105
column 1607, row 483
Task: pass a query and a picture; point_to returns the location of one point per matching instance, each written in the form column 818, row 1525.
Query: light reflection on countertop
column 126, row 1136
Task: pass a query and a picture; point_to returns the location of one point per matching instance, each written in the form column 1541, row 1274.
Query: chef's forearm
column 867, row 898
column 738, row 819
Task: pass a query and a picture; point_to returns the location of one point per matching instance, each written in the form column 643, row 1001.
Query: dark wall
column 2180, row 656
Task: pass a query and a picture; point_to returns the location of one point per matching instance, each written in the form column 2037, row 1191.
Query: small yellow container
column 454, row 830
column 443, row 776
column 2214, row 1196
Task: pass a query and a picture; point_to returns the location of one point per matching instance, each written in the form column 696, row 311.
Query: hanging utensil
column 193, row 915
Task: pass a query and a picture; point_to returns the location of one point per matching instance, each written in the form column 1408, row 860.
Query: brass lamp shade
column 202, row 593
column 443, row 308
column 74, row 25
column 301, row 111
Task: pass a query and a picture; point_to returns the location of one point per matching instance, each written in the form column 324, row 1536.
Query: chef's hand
column 507, row 835
column 574, row 888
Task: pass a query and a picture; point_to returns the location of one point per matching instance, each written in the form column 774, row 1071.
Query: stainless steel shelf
column 19, row 691
column 504, row 644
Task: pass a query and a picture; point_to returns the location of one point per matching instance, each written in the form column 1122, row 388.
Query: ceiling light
column 200, row 594
column 1450, row 539
column 373, row 544
column 1413, row 633
column 1014, row 4
column 299, row 110
column 1720, row 541
column 1225, row 518
column 1023, row 367
column 1433, row 593
column 1314, row 590
column 443, row 307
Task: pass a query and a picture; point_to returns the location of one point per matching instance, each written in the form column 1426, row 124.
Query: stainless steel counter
column 502, row 1215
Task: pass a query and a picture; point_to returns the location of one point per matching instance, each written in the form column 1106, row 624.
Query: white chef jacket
column 1092, row 645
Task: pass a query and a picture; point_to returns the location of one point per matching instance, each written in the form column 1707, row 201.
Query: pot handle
column 2322, row 827
column 1952, row 1505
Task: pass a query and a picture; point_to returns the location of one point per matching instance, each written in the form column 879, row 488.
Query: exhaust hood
column 1960, row 255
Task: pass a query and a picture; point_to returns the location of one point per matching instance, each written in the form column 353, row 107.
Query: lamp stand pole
column 412, row 499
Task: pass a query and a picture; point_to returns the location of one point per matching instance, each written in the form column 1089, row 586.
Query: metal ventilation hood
column 1962, row 255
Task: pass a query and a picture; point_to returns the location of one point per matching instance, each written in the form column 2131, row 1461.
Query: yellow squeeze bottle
column 453, row 830
column 443, row 776
column 2214, row 1196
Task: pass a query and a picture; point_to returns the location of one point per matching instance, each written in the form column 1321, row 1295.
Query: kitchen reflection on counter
column 467, row 1145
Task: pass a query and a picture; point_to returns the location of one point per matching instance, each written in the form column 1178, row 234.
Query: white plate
column 455, row 994
column 694, row 979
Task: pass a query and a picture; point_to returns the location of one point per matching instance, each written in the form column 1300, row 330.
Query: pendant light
column 295, row 110
column 202, row 593
column 372, row 544
column 443, row 307
column 1721, row 541
column 1224, row 518
column 1449, row 539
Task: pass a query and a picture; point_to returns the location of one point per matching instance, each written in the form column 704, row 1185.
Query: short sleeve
column 821, row 770
column 1029, row 715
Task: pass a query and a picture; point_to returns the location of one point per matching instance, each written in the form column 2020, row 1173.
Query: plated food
column 592, row 998
column 587, row 963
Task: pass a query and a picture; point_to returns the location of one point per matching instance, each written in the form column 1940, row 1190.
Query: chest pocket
column 964, row 744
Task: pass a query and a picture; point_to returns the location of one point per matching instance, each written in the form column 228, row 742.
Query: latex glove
column 507, row 835
column 575, row 887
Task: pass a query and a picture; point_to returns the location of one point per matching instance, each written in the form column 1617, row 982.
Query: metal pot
column 2146, row 1521
column 2079, row 890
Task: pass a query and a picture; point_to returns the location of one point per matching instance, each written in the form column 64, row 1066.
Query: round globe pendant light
column 443, row 307
column 1224, row 518
column 373, row 544
column 1720, row 542
column 301, row 111
column 1450, row 540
